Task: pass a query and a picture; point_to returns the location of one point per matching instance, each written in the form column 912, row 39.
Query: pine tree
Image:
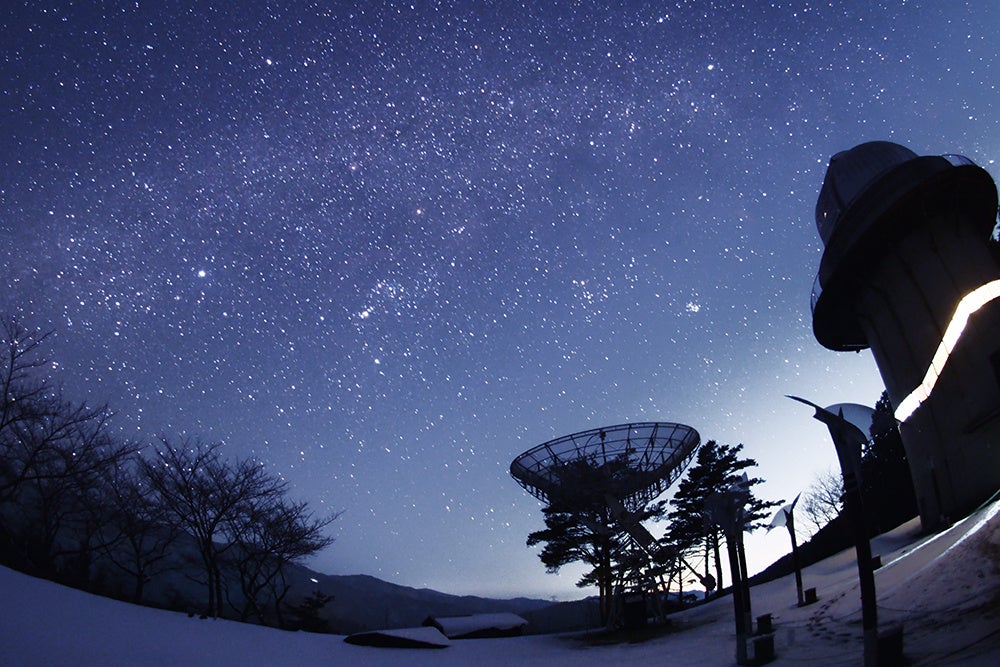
column 885, row 472
column 306, row 613
column 716, row 467
column 580, row 527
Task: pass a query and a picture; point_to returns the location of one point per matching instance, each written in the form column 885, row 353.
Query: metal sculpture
column 849, row 440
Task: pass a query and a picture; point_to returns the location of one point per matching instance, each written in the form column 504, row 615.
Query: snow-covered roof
column 478, row 625
column 423, row 637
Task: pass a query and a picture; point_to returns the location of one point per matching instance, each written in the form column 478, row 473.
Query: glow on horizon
column 968, row 306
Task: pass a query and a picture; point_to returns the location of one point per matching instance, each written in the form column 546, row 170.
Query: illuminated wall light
column 969, row 304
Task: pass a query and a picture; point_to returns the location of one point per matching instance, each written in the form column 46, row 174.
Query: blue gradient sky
column 386, row 248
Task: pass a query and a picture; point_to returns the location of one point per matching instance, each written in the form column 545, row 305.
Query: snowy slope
column 944, row 589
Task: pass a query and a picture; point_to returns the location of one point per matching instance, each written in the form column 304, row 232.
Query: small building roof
column 501, row 624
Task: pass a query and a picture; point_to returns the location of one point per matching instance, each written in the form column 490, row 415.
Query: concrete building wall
column 904, row 306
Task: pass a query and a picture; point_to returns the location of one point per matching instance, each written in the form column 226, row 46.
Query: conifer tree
column 580, row 527
column 886, row 483
column 716, row 467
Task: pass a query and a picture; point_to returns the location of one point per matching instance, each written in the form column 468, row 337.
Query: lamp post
column 785, row 517
column 848, row 440
column 727, row 510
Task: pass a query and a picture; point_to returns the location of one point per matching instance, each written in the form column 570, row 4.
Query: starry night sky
column 386, row 248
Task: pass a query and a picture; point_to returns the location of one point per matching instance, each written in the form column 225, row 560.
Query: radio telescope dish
column 630, row 464
column 609, row 475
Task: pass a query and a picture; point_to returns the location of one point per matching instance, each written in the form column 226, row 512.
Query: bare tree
column 203, row 494
column 272, row 534
column 138, row 536
column 86, row 458
column 822, row 500
column 52, row 456
column 302, row 536
column 19, row 387
column 69, row 489
column 55, row 455
column 24, row 402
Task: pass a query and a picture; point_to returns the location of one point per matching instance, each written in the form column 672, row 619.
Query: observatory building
column 909, row 270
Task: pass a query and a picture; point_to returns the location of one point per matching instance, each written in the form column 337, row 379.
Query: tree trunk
column 138, row 589
column 206, row 559
column 218, row 591
column 607, row 583
column 708, row 547
column 279, row 598
column 718, row 561
column 739, row 601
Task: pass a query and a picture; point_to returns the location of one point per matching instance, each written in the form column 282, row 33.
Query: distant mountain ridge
column 363, row 602
column 360, row 602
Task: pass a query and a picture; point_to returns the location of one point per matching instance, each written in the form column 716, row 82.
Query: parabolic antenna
column 629, row 464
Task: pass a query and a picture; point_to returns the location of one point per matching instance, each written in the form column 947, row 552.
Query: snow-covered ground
column 945, row 590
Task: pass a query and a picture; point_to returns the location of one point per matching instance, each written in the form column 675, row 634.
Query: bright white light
column 969, row 304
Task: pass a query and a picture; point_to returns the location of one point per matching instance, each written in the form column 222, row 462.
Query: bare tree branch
column 822, row 500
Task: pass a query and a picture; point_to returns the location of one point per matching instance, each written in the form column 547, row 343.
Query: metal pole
column 790, row 524
column 854, row 509
column 744, row 584
column 738, row 600
column 848, row 440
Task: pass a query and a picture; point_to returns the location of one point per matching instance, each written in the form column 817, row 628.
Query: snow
column 944, row 589
column 458, row 626
column 422, row 637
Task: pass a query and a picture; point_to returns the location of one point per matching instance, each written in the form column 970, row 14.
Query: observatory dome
column 849, row 173
column 873, row 196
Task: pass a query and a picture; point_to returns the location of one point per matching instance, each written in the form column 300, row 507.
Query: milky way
column 385, row 248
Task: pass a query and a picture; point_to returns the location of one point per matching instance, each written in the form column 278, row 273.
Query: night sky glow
column 387, row 248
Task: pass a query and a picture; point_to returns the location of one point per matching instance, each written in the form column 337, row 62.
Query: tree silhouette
column 139, row 534
column 74, row 497
column 306, row 614
column 715, row 469
column 204, row 494
column 20, row 389
column 270, row 533
column 885, row 472
column 822, row 500
column 53, row 456
column 581, row 527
